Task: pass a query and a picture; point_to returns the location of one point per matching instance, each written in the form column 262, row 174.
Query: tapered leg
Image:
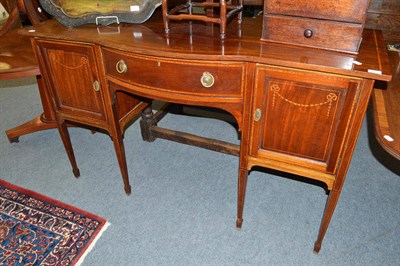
column 326, row 218
column 116, row 135
column 242, row 182
column 354, row 130
column 62, row 128
column 120, row 152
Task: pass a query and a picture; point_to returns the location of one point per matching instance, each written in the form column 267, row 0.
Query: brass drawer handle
column 96, row 85
column 207, row 80
column 121, row 67
column 308, row 33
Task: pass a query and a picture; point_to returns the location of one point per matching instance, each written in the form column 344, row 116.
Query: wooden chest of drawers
column 326, row 24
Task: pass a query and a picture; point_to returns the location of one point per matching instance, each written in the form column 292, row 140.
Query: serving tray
column 73, row 13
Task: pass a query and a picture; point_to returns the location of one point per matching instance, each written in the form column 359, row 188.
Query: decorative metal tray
column 73, row 13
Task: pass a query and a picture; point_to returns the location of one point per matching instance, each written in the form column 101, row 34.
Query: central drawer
column 190, row 77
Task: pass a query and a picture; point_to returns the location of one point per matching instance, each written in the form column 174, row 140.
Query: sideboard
column 298, row 110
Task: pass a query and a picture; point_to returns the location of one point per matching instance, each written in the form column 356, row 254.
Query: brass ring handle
column 207, row 80
column 96, row 85
column 121, row 67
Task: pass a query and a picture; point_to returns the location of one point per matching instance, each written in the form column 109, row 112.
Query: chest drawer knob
column 308, row 33
column 121, row 67
column 207, row 80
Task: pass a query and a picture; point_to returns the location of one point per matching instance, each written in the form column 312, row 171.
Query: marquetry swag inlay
column 83, row 62
column 330, row 98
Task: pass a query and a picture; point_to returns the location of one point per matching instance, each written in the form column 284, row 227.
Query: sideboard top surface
column 200, row 41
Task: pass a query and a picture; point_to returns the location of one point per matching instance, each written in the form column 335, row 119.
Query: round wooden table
column 17, row 60
column 387, row 110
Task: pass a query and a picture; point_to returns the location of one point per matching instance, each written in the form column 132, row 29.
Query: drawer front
column 313, row 33
column 344, row 10
column 179, row 76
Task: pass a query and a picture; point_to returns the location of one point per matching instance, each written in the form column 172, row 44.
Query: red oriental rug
column 38, row 230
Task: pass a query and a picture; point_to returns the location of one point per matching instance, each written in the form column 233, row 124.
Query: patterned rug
column 37, row 230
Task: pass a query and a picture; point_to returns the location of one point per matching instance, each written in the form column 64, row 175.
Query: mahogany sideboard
column 298, row 110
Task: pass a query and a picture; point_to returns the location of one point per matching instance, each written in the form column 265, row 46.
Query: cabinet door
column 74, row 80
column 301, row 117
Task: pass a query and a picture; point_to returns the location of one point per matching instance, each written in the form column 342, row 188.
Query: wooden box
column 325, row 24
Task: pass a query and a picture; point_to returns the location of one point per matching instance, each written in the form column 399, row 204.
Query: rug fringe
column 104, row 228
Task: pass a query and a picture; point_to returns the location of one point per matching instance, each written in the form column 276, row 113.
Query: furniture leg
column 120, row 152
column 62, row 128
column 190, row 8
column 165, row 15
column 240, row 15
column 242, row 182
column 243, row 171
column 148, row 120
column 36, row 124
column 223, row 19
column 342, row 171
column 117, row 138
column 42, row 122
column 326, row 218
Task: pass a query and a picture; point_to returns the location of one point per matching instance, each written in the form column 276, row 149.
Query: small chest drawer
column 312, row 32
column 343, row 10
column 180, row 76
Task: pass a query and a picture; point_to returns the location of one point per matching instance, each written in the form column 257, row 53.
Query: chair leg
column 190, row 8
column 63, row 130
column 222, row 17
column 240, row 15
column 165, row 15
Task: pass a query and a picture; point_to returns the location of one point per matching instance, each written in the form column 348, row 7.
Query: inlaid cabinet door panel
column 74, row 80
column 302, row 117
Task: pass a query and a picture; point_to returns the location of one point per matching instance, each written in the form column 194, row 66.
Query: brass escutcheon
column 257, row 115
column 96, row 85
